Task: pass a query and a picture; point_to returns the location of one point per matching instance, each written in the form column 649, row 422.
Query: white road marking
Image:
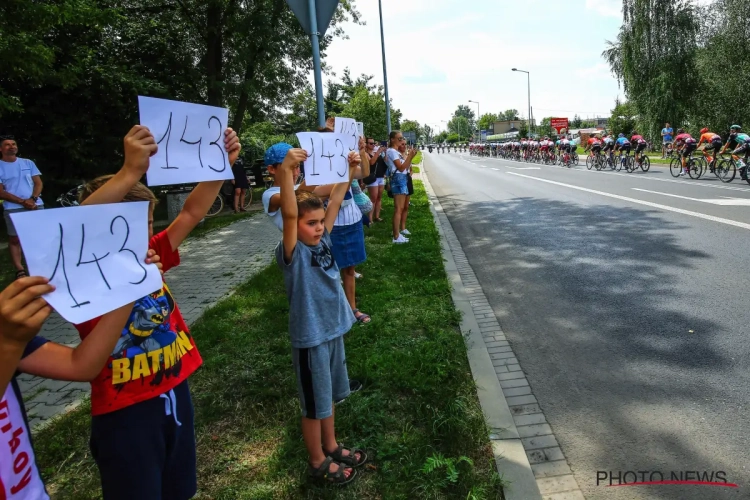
column 724, row 201
column 607, row 172
column 699, row 215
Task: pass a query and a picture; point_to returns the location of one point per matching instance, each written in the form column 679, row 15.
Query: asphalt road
column 626, row 299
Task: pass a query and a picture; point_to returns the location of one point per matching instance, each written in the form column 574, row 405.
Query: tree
column 654, row 57
column 410, row 126
column 452, row 138
column 466, row 112
column 72, row 69
column 523, row 130
column 441, row 137
column 545, row 128
column 486, row 120
column 427, row 131
column 622, row 119
column 508, row 115
column 577, row 122
column 459, row 125
column 369, row 108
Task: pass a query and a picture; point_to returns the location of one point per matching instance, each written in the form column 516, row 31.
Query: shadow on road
column 592, row 299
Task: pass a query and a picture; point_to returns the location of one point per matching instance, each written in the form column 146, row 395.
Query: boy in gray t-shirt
column 319, row 316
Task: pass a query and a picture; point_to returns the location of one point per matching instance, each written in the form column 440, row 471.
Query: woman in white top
column 409, row 191
column 398, row 167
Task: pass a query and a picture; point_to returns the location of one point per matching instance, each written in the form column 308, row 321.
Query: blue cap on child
column 276, row 153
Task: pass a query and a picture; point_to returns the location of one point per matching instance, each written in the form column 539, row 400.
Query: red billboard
column 559, row 124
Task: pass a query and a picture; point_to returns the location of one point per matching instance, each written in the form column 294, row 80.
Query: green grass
column 418, row 408
column 415, row 170
column 418, row 158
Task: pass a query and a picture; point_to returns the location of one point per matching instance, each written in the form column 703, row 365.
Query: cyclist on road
column 593, row 145
column 608, row 144
column 622, row 144
column 640, row 144
column 713, row 143
column 740, row 142
column 684, row 142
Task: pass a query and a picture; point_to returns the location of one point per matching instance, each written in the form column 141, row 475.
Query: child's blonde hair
column 138, row 192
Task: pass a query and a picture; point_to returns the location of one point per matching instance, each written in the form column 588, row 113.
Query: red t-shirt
column 155, row 352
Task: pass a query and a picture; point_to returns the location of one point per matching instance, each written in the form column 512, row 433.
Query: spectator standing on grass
column 666, row 138
column 319, row 317
column 398, row 167
column 409, row 190
column 241, row 185
column 20, row 188
column 376, row 187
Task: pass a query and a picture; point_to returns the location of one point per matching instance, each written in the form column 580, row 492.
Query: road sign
column 559, row 124
column 324, row 10
column 410, row 136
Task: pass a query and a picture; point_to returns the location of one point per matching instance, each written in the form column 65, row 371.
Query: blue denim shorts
column 399, row 184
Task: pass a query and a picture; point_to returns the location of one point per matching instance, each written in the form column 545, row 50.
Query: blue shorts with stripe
column 322, row 377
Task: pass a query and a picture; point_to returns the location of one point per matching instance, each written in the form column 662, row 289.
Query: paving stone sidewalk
column 211, row 267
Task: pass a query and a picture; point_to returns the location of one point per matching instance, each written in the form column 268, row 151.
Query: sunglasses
column 370, row 143
column 402, row 139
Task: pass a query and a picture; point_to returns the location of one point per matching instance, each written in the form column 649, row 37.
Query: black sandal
column 21, row 274
column 349, row 460
column 323, row 473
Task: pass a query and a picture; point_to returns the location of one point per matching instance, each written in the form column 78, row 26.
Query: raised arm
column 139, row 146
column 404, row 165
column 288, row 197
column 84, row 362
column 339, row 191
column 201, row 198
column 22, row 314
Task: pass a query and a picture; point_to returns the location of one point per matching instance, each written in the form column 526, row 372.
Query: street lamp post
column 385, row 73
column 528, row 81
column 479, row 131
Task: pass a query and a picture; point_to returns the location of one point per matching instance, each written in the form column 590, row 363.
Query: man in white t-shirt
column 20, row 190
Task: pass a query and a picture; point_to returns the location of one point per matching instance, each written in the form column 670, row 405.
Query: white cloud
column 612, row 8
column 441, row 53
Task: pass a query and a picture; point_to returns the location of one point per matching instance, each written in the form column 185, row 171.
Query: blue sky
column 442, row 53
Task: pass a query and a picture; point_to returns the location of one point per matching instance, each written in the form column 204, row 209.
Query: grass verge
column 418, row 408
column 418, row 158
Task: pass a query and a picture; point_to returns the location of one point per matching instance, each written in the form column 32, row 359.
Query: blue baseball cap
column 276, row 153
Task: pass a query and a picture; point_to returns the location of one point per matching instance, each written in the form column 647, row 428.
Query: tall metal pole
column 385, row 71
column 316, row 63
column 528, row 81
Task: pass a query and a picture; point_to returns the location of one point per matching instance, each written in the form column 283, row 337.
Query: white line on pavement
column 699, row 215
column 632, row 176
column 724, row 201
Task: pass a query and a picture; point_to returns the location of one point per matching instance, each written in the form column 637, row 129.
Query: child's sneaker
column 405, row 232
column 400, row 239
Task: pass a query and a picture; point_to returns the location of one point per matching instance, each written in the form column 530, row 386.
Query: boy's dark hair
column 307, row 202
column 139, row 192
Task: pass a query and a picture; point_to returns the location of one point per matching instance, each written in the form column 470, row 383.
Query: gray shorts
column 321, row 377
column 9, row 223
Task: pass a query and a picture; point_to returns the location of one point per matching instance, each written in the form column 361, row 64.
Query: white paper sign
column 361, row 129
column 94, row 255
column 327, row 157
column 190, row 139
column 348, row 127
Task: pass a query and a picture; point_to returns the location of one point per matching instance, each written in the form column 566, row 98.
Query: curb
column 501, row 384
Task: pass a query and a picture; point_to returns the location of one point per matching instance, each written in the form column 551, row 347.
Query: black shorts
column 146, row 443
column 596, row 148
column 625, row 149
column 689, row 148
column 640, row 147
column 608, row 147
column 742, row 148
column 714, row 145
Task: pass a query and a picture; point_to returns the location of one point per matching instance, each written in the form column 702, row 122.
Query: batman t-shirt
column 155, row 352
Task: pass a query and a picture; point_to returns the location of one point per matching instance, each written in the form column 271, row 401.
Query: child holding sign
column 319, row 316
column 22, row 313
column 142, row 412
